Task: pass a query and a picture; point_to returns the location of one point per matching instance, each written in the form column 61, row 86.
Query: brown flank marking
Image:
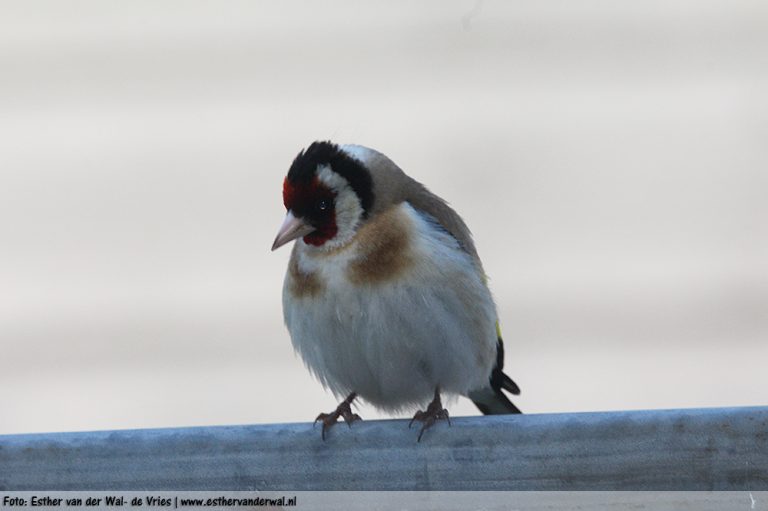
column 303, row 284
column 384, row 242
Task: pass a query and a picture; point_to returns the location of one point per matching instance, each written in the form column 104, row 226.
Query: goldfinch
column 385, row 297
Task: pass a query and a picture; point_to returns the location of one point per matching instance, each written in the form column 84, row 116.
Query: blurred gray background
column 610, row 158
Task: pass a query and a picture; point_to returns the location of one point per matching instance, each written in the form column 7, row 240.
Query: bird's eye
column 322, row 205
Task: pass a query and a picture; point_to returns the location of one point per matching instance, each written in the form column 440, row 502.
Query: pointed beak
column 291, row 229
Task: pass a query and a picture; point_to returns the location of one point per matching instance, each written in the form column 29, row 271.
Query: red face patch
column 314, row 203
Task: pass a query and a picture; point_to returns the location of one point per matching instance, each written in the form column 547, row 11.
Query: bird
column 385, row 297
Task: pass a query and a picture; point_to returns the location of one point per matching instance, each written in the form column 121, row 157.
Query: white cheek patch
column 349, row 211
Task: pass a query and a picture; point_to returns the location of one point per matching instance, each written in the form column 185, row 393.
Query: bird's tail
column 491, row 400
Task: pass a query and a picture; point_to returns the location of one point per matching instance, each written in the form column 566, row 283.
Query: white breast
column 394, row 342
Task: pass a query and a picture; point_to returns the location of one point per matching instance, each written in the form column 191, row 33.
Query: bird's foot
column 344, row 410
column 434, row 413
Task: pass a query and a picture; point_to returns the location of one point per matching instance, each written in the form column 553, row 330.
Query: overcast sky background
column 610, row 158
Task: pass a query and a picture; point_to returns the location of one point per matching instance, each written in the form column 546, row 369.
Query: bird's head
column 328, row 193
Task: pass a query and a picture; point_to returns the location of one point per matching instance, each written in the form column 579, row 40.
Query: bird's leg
column 344, row 410
column 435, row 412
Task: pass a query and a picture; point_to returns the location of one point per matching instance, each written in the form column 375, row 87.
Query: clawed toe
column 434, row 413
column 344, row 410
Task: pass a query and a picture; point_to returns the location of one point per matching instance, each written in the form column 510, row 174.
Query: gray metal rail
column 698, row 449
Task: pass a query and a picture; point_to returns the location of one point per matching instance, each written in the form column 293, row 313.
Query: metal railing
column 689, row 449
